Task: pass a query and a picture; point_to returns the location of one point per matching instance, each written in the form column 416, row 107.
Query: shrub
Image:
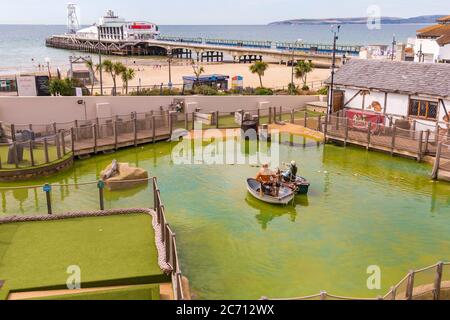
column 206, row 91
column 263, row 92
column 323, row 91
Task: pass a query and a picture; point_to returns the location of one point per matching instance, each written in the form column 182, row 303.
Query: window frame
column 427, row 106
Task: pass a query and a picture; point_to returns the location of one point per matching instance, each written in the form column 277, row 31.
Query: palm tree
column 90, row 65
column 127, row 76
column 301, row 71
column 259, row 67
column 115, row 69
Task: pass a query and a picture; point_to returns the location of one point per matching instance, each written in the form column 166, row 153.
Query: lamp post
column 100, row 64
column 295, row 45
column 169, row 54
column 333, row 67
column 47, row 62
column 394, row 42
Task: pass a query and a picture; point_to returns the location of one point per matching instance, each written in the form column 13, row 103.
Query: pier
column 209, row 50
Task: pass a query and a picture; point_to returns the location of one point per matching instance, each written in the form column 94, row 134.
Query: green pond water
column 363, row 209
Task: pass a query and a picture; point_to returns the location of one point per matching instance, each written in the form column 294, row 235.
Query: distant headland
column 359, row 20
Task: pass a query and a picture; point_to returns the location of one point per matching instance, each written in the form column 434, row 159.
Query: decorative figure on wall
column 376, row 106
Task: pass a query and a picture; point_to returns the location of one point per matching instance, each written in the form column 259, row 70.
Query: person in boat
column 268, row 180
column 290, row 175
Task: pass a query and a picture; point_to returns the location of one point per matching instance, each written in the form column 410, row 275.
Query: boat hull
column 286, row 195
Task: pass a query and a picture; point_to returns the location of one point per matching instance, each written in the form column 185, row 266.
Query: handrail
column 409, row 294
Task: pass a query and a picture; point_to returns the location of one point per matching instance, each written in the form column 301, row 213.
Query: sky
column 204, row 12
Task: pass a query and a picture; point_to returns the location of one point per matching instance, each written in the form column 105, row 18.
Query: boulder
column 124, row 177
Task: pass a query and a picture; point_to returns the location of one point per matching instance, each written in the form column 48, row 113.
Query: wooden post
column 63, row 142
column 13, row 132
column 414, row 129
column 135, row 131
column 259, row 116
column 346, row 132
column 54, row 128
column 292, row 116
column 116, row 137
column 274, row 114
column 193, row 120
column 72, row 138
column 325, row 130
column 170, row 124
column 438, row 281
column 58, row 146
column 15, row 154
column 280, row 116
column 94, row 133
column 47, row 159
column 76, row 131
column 394, row 131
column 427, row 141
column 31, row 153
column 186, row 121
column 305, row 121
column 437, row 162
column 420, row 154
column 369, row 132
column 319, row 120
column 0, row 162
column 410, row 286
column 154, row 129
column 270, row 115
column 217, row 119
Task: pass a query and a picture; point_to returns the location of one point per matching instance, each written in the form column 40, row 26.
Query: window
column 423, row 109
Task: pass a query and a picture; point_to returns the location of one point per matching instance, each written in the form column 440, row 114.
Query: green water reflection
column 364, row 208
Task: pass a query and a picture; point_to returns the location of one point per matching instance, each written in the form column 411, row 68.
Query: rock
column 126, row 177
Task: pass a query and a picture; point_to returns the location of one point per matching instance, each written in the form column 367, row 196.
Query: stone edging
column 160, row 246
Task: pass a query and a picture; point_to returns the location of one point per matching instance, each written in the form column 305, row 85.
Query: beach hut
column 218, row 81
column 237, row 83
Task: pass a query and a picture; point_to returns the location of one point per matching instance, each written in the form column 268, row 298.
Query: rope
column 75, row 184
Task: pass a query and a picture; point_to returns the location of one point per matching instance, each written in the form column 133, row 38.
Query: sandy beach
column 150, row 72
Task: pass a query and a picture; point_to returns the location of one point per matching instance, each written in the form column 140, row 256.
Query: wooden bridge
column 207, row 49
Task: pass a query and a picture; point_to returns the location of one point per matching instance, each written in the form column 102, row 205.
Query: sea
column 22, row 47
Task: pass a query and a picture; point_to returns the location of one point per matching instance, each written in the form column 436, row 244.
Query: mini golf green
column 110, row 251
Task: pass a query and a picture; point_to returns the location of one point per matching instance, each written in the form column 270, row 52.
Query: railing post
column 58, row 146
column 292, row 116
column 101, row 187
column 154, row 129
column 420, row 154
column 135, row 129
column 346, row 132
column 55, row 131
column 427, row 141
column 410, row 286
column 438, row 281
column 47, row 159
column 325, row 129
column 13, row 132
column 154, row 183
column 394, row 131
column 270, row 115
column 369, row 132
column 258, row 112
column 94, row 133
column 280, row 116
column 437, row 162
column 217, row 119
column 72, row 138
column 48, row 189
column 170, row 123
column 319, row 120
column 31, row 153
column 15, row 154
column 116, row 135
column 76, row 131
column 305, row 120
column 63, row 142
column 186, row 121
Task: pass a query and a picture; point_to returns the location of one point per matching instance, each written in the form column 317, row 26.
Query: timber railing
column 168, row 237
column 442, row 163
column 428, row 283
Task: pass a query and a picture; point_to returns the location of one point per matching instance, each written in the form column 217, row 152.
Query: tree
column 198, row 71
column 259, row 68
column 127, row 76
column 115, row 69
column 301, row 71
column 64, row 87
column 92, row 68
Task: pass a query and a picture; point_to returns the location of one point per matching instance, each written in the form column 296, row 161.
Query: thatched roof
column 397, row 77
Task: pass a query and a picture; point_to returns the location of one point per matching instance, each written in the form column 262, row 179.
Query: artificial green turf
column 115, row 250
column 38, row 154
column 143, row 292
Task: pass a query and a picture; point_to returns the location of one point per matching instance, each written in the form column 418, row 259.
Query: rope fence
column 429, row 282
